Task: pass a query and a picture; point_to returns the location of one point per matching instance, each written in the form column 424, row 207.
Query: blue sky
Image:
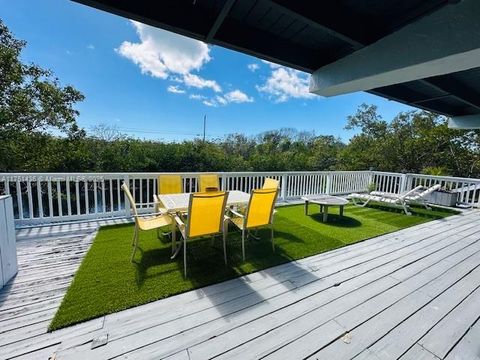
column 157, row 85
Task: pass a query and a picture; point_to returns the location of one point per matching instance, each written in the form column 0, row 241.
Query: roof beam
column 430, row 99
column 219, row 20
column 417, row 11
column 464, row 122
column 440, row 108
column 441, row 43
column 181, row 17
column 455, row 89
column 267, row 46
column 295, row 11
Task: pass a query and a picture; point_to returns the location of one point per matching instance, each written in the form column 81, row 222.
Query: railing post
column 283, row 189
column 408, row 182
column 403, row 183
column 328, row 185
column 223, row 182
column 128, row 213
column 371, row 180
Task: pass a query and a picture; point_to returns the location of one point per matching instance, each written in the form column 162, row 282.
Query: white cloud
column 175, row 89
column 221, row 100
column 285, row 83
column 237, row 96
column 197, row 97
column 90, row 47
column 253, row 67
column 166, row 55
column 210, row 103
column 161, row 53
column 192, row 80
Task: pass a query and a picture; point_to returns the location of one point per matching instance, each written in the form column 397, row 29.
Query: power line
column 160, row 132
column 165, row 132
column 148, row 131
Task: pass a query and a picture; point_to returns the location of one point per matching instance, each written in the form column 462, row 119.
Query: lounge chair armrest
column 408, row 193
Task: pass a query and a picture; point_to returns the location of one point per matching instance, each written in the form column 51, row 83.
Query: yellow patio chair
column 170, row 184
column 147, row 222
column 206, row 217
column 208, row 181
column 270, row 183
column 167, row 184
column 259, row 213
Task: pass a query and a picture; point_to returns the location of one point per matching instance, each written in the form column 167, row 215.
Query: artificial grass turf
column 107, row 281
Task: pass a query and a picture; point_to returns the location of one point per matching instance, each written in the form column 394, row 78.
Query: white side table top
column 325, row 200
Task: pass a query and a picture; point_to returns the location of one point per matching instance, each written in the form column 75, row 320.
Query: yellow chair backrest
column 208, row 181
column 270, row 183
column 129, row 196
column 260, row 207
column 170, row 184
column 206, row 213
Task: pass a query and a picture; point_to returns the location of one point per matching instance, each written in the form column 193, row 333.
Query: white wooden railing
column 57, row 197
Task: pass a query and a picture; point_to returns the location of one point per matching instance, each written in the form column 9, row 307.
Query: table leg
column 306, row 207
column 174, row 233
column 321, row 208
column 341, row 210
column 325, row 213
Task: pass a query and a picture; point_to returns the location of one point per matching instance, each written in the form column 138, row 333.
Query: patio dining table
column 175, row 203
column 179, row 202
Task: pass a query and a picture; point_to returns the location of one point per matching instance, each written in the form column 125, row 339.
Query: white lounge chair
column 414, row 191
column 414, row 196
column 419, row 197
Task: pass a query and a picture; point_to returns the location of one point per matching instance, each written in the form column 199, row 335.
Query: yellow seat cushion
column 154, row 222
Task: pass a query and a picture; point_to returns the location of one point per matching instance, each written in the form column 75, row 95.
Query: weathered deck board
column 418, row 353
column 453, row 326
column 150, row 331
column 303, row 325
column 47, row 264
column 468, row 347
column 412, row 294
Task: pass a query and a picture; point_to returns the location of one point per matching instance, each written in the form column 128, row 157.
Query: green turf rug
column 107, row 281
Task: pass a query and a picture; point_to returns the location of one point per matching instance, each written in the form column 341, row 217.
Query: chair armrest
column 236, row 213
column 181, row 226
column 179, row 221
column 157, row 203
column 150, row 214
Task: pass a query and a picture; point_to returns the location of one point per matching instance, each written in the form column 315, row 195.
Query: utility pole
column 204, row 126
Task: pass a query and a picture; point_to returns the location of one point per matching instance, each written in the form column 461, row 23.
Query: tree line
column 39, row 133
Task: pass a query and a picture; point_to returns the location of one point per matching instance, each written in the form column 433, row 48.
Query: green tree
column 31, row 101
column 412, row 142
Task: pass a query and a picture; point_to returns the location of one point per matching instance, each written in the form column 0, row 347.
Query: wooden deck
column 413, row 294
